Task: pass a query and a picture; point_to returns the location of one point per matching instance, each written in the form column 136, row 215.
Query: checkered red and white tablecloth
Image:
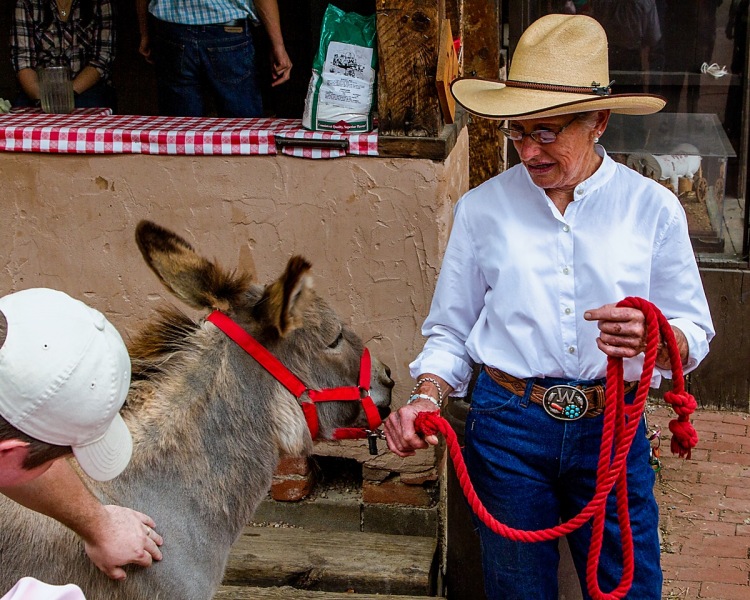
column 95, row 132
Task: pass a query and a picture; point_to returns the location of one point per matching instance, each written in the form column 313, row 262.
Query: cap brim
column 107, row 457
column 495, row 100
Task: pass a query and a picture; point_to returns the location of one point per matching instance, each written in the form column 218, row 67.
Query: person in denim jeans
column 205, row 47
column 537, row 260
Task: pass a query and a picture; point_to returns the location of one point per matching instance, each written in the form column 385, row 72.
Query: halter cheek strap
column 285, row 377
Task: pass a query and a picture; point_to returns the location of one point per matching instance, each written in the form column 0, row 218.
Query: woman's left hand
column 622, row 330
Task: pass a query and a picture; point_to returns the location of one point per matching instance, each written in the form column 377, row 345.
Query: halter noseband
column 285, row 377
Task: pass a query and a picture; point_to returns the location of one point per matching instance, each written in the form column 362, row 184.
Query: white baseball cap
column 64, row 375
column 28, row 588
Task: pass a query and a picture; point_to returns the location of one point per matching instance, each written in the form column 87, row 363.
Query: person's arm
column 29, row 82
column 281, row 64
column 114, row 536
column 87, row 78
column 103, row 44
column 23, row 53
column 144, row 49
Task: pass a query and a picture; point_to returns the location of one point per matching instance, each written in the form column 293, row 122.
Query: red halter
column 286, row 378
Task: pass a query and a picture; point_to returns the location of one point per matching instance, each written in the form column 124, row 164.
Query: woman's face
column 570, row 159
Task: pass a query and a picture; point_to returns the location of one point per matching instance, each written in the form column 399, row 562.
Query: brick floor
column 705, row 508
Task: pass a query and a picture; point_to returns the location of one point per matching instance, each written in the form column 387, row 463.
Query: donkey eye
column 335, row 343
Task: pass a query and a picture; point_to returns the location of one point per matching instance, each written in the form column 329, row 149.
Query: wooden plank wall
column 722, row 381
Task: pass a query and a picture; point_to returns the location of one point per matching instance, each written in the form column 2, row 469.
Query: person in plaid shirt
column 205, row 47
column 77, row 33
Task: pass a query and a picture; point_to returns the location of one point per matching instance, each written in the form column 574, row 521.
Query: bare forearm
column 113, row 536
column 29, row 82
column 59, row 493
column 85, row 80
column 141, row 9
column 426, row 385
column 268, row 13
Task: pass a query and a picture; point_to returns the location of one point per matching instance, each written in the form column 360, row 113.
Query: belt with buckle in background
column 233, row 23
column 563, row 402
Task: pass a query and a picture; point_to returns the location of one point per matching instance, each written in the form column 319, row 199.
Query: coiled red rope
column 621, row 423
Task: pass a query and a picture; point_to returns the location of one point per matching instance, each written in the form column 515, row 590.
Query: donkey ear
column 284, row 301
column 195, row 280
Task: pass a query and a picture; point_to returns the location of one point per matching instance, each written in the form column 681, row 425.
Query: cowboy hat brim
column 494, row 100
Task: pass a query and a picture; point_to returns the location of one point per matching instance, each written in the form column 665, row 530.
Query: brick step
column 332, row 561
column 229, row 592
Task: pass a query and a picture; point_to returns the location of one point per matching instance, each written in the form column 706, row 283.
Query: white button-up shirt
column 517, row 277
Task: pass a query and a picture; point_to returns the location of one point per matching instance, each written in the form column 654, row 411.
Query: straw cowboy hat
column 559, row 67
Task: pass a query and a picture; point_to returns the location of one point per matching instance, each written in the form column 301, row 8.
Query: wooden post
column 407, row 56
column 481, row 50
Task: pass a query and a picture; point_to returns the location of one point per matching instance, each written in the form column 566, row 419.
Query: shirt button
column 566, row 270
column 568, row 311
column 566, row 228
column 579, row 191
column 571, row 350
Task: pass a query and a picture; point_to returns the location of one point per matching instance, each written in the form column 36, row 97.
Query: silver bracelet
column 431, row 380
column 415, row 397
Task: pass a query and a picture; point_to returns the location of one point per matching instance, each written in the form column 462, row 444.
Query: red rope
column 621, row 423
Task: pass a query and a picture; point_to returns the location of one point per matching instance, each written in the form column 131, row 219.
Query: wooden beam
column 433, row 148
column 481, row 52
column 407, row 64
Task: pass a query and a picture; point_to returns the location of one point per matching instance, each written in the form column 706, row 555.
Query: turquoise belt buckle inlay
column 565, row 402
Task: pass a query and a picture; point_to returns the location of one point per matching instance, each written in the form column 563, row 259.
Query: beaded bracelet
column 435, row 382
column 415, row 397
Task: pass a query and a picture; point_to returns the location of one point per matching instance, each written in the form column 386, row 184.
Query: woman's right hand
column 400, row 434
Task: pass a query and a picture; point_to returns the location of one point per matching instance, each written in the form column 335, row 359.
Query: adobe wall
column 374, row 229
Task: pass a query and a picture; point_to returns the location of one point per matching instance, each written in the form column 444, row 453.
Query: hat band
column 594, row 88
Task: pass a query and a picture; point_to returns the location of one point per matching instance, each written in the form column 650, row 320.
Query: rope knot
column 427, row 422
column 684, row 438
column 683, row 403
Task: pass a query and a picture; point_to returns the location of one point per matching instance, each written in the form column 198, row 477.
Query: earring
column 596, row 140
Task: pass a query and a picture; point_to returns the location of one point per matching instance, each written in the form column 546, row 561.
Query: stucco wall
column 373, row 228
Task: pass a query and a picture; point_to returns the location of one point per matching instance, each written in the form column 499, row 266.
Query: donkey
column 208, row 424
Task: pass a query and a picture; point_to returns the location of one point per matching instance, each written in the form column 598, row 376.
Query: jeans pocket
column 488, row 397
column 233, row 63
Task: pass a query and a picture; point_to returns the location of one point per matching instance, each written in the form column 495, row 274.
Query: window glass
column 694, row 54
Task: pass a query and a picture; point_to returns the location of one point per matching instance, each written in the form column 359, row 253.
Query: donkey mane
column 171, row 332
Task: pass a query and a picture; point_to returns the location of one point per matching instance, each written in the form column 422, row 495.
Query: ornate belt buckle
column 565, row 402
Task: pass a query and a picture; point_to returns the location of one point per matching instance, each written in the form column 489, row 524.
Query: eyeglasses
column 541, row 136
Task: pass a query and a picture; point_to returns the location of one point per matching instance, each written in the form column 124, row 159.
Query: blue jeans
column 193, row 61
column 532, row 471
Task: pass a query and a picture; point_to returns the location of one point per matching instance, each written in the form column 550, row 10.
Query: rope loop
column 428, row 422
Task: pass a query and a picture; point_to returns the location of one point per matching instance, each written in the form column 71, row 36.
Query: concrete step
column 229, row 592
column 331, row 561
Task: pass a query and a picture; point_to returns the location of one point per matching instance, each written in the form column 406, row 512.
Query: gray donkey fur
column 208, row 426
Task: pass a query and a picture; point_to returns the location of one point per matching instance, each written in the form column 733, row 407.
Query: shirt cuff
column 455, row 371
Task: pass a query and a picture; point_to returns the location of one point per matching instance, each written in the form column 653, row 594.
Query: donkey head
column 288, row 319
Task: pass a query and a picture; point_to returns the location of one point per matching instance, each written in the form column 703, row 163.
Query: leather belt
column 563, row 402
column 234, row 23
